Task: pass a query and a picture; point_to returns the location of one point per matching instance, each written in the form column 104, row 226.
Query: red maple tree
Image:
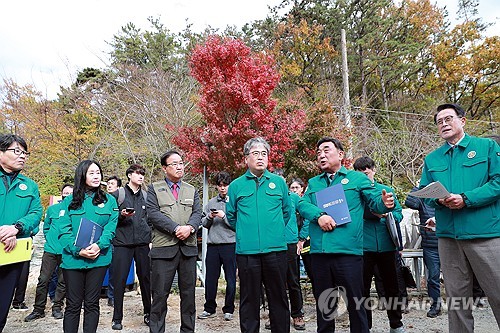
column 235, row 105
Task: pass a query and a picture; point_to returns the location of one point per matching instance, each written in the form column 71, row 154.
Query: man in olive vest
column 174, row 211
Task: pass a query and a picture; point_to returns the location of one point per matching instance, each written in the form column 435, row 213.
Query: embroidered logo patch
column 23, row 187
column 471, row 154
column 272, row 186
column 101, row 205
column 344, row 181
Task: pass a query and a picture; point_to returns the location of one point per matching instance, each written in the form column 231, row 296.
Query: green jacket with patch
column 105, row 214
column 259, row 210
column 472, row 169
column 346, row 238
column 20, row 202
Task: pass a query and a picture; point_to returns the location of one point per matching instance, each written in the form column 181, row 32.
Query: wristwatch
column 19, row 226
column 192, row 230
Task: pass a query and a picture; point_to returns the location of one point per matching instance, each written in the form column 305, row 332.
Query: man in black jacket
column 132, row 238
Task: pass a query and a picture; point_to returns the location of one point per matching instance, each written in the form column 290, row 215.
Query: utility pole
column 346, row 104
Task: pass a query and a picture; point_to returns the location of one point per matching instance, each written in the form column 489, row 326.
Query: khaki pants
column 459, row 259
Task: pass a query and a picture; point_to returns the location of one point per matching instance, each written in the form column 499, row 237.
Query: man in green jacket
column 337, row 252
column 51, row 259
column 468, row 221
column 380, row 250
column 259, row 209
column 20, row 212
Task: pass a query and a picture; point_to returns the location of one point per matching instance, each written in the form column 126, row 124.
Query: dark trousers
column 22, row 284
column 82, row 285
column 339, row 270
column 53, row 283
column 220, row 255
column 9, row 276
column 386, row 265
column 49, row 263
column 270, row 269
column 122, row 260
column 306, row 259
column 293, row 281
column 162, row 277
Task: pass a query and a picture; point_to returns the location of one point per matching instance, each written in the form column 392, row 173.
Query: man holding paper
column 20, row 212
column 337, row 252
column 468, row 220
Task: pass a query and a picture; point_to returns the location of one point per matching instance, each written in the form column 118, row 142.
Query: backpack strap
column 121, row 196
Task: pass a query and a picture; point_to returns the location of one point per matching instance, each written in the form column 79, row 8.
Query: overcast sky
column 46, row 43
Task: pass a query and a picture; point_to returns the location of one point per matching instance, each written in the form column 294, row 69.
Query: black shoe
column 20, row 307
column 111, row 302
column 57, row 313
column 117, row 325
column 434, row 311
column 146, row 319
column 34, row 316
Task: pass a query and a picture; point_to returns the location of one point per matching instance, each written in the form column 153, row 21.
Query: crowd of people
column 259, row 227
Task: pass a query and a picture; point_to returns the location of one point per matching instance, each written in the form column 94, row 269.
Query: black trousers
column 49, row 263
column 220, row 255
column 162, row 277
column 306, row 259
column 339, row 270
column 22, row 284
column 82, row 285
column 122, row 260
column 293, row 281
column 386, row 265
column 9, row 276
column 270, row 269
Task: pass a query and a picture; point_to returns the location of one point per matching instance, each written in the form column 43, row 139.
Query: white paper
column 433, row 190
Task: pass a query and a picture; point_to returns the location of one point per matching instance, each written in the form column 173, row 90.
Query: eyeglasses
column 446, row 120
column 18, row 151
column 176, row 164
column 295, row 187
column 257, row 153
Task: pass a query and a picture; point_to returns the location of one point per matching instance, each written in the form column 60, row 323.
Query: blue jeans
column 431, row 261
column 220, row 255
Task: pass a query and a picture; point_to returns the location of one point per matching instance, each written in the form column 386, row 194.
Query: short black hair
column 223, row 177
column 118, row 180
column 363, row 163
column 135, row 168
column 298, row 181
column 336, row 142
column 458, row 109
column 7, row 139
column 167, row 154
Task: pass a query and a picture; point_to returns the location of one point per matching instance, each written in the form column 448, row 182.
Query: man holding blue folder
column 337, row 252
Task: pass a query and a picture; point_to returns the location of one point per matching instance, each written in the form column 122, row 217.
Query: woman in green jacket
column 84, row 268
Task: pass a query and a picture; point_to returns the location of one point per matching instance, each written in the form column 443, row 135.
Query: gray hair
column 254, row 142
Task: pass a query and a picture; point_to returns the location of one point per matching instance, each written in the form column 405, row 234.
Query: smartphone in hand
column 130, row 210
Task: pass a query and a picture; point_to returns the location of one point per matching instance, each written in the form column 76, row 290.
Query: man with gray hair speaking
column 259, row 208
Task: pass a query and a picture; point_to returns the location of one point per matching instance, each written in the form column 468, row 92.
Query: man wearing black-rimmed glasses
column 174, row 211
column 20, row 212
column 468, row 221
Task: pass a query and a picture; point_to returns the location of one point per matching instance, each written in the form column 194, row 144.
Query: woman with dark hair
column 84, row 268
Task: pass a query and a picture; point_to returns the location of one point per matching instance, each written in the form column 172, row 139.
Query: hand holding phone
column 130, row 210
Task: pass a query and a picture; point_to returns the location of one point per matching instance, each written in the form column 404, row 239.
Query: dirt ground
column 414, row 321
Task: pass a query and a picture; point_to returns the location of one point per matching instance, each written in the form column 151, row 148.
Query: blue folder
column 89, row 232
column 332, row 201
